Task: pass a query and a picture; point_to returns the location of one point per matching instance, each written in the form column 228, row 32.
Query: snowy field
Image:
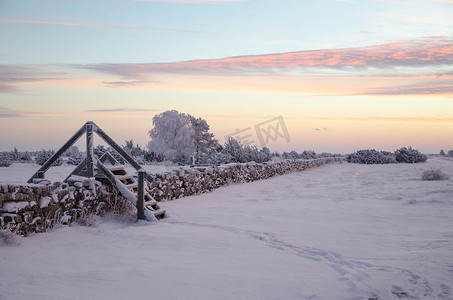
column 341, row 231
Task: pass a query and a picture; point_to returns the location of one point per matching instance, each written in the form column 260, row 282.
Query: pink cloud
column 12, row 76
column 130, row 83
column 433, row 51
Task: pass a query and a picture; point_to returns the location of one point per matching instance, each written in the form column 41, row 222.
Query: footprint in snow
column 398, row 291
column 445, row 289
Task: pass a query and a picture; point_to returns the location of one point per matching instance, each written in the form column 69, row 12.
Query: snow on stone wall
column 195, row 181
column 36, row 207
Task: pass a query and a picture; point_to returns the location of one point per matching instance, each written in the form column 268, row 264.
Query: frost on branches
column 178, row 137
column 171, row 136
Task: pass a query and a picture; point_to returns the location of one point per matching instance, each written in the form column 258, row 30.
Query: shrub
column 4, row 160
column 89, row 220
column 409, row 155
column 434, row 175
column 44, row 155
column 25, row 157
column 371, row 156
column 308, row 154
column 9, row 238
column 119, row 208
column 290, row 155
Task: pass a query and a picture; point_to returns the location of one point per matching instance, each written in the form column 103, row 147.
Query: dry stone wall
column 195, row 181
column 32, row 208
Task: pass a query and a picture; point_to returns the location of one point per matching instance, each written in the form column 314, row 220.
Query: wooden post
column 90, row 153
column 141, row 195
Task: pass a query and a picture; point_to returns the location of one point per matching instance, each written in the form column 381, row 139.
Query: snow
column 14, row 207
column 340, row 231
column 19, row 173
column 45, row 201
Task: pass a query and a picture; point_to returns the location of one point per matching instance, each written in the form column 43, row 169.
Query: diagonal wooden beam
column 78, row 169
column 40, row 173
column 101, row 133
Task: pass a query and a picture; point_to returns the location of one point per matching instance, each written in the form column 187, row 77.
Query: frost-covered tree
column 178, row 137
column 202, row 139
column 442, row 152
column 171, row 136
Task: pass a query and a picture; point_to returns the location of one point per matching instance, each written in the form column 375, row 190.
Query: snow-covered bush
column 233, row 151
column 89, row 220
column 450, row 153
column 100, row 150
column 434, row 175
column 44, row 155
column 290, row 155
column 9, row 238
column 150, row 156
column 308, row 154
column 133, row 150
column 17, row 156
column 74, row 156
column 371, row 156
column 4, row 160
column 409, row 155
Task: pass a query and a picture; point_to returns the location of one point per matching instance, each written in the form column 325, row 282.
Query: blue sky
column 383, row 66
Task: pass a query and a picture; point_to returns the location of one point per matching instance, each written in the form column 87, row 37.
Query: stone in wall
column 34, row 208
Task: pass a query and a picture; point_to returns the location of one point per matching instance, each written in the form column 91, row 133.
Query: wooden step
column 132, row 185
column 115, row 168
column 150, row 203
column 124, row 177
column 160, row 213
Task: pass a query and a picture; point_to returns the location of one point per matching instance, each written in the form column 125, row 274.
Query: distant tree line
column 184, row 139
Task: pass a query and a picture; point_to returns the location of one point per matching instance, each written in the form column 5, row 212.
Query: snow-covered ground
column 340, row 231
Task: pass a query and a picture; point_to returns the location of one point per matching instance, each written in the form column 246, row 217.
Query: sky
column 325, row 75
